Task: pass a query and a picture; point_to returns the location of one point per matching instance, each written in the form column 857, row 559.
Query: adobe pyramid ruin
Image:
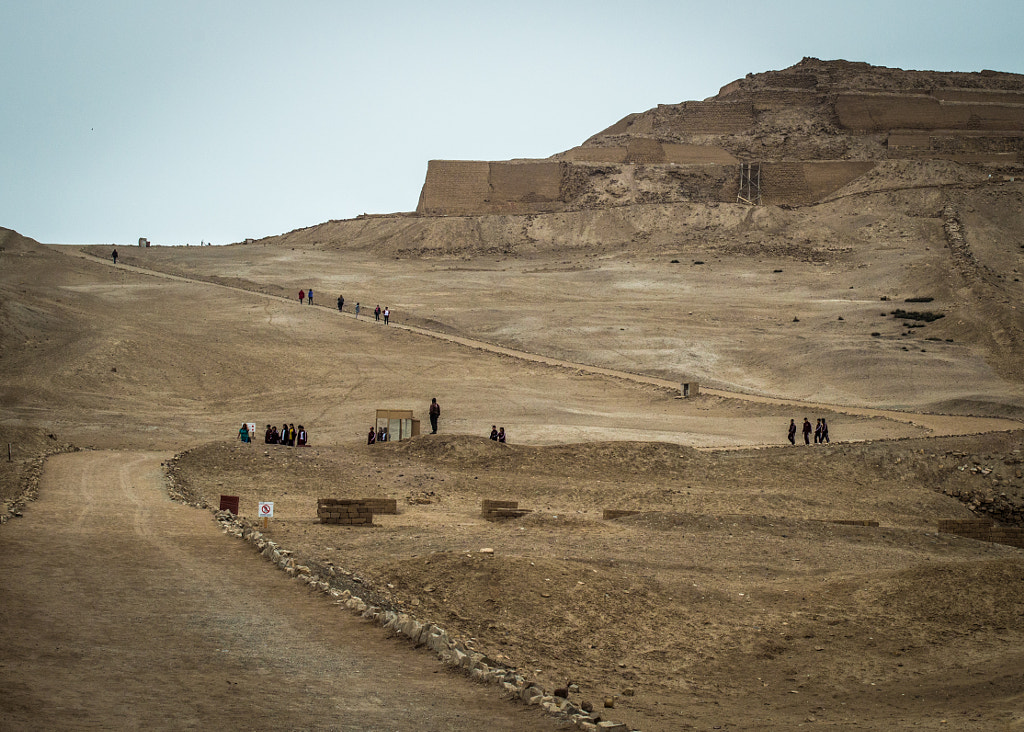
column 790, row 137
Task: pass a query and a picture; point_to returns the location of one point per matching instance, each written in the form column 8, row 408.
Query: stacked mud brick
column 614, row 513
column 853, row 522
column 344, row 511
column 497, row 510
column 382, row 505
column 984, row 530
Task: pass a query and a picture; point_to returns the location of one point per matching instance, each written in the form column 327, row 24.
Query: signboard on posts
column 266, row 509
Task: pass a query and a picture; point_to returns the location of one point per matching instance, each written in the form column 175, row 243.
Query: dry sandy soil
column 730, row 600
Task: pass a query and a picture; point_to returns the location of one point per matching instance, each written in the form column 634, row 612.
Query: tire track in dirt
column 938, row 424
column 121, row 609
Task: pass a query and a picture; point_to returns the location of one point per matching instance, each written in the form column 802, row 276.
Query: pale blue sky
column 186, row 121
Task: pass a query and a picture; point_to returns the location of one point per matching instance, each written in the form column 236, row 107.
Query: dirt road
column 120, row 609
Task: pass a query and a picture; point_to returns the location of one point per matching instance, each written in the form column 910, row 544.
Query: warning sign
column 266, row 509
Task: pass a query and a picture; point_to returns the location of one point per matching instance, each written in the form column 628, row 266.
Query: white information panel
column 266, row 509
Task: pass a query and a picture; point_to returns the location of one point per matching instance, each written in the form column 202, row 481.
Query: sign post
column 266, row 511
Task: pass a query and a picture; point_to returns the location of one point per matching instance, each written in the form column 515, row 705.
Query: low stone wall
column 984, row 530
column 453, row 652
column 381, row 505
column 497, row 510
column 344, row 511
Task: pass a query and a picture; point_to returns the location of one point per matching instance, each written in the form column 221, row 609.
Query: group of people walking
column 820, row 431
column 288, row 435
column 306, row 296
column 377, row 312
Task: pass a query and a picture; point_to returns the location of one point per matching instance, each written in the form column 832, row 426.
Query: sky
column 216, row 121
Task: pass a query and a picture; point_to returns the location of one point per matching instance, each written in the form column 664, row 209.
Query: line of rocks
column 451, row 651
column 29, row 483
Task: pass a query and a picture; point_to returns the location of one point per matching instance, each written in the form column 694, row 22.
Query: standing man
column 357, row 310
column 113, row 254
column 792, row 432
column 376, row 313
column 807, row 432
column 387, row 313
column 309, row 296
column 341, row 303
column 435, row 412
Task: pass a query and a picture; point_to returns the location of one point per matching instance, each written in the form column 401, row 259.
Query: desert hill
column 732, row 597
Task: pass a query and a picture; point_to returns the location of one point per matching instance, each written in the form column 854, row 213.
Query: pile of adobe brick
column 344, row 511
column 497, row 510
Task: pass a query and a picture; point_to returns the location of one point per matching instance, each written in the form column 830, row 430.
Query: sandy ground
column 120, row 609
column 730, row 600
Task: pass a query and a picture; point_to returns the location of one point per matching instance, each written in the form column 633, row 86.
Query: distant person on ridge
column 501, row 434
column 792, row 432
column 435, row 412
column 807, row 432
column 357, row 310
column 376, row 313
column 494, row 432
column 244, row 432
column 302, row 296
column 372, row 437
column 341, row 303
column 303, row 437
column 309, row 296
column 817, row 431
column 113, row 255
column 387, row 314
column 824, row 432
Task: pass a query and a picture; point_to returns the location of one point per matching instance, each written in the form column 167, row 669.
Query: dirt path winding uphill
column 120, row 609
column 937, row 425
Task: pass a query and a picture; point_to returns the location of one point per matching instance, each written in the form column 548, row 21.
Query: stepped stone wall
column 533, row 182
column 712, row 118
column 879, row 112
column 658, row 152
column 964, row 147
column 804, row 183
column 455, row 187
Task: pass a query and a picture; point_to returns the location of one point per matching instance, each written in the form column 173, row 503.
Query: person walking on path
column 817, row 431
column 309, row 296
column 824, row 432
column 302, row 296
column 387, row 312
column 501, row 434
column 807, row 432
column 792, row 432
column 357, row 310
column 113, row 255
column 434, row 412
column 341, row 303
column 243, row 433
column 376, row 313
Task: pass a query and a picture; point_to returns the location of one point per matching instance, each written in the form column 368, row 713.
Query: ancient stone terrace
column 692, row 151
